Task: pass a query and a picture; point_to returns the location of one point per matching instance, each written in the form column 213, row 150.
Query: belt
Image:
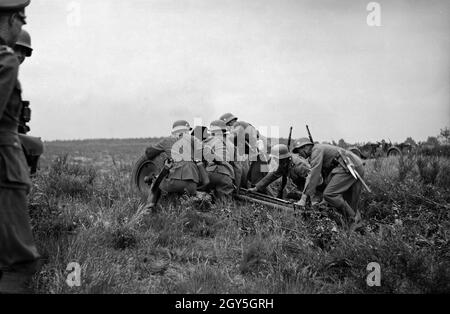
column 11, row 139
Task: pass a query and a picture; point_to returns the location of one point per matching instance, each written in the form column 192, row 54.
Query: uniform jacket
column 14, row 171
column 324, row 161
column 297, row 171
column 184, row 151
column 219, row 153
column 247, row 138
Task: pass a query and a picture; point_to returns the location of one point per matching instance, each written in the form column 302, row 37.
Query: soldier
column 18, row 252
column 185, row 150
column 342, row 190
column 251, row 142
column 33, row 146
column 219, row 154
column 250, row 149
column 22, row 49
column 295, row 167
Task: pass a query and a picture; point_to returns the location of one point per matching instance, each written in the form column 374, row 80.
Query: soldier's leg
column 245, row 170
column 179, row 186
column 16, row 239
column 334, row 192
column 221, row 184
column 356, row 191
column 237, row 167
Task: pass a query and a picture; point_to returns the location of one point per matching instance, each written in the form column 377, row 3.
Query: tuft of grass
column 405, row 167
column 256, row 255
column 428, row 169
column 204, row 279
column 122, row 238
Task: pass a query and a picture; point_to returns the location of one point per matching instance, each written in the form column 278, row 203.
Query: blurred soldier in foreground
column 32, row 146
column 18, row 253
column 218, row 151
column 184, row 151
column 296, row 168
column 342, row 189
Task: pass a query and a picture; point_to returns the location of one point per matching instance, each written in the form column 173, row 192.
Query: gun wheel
column 394, row 152
column 145, row 168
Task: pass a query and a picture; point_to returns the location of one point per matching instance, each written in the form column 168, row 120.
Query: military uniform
column 250, row 149
column 16, row 240
column 184, row 175
column 297, row 170
column 218, row 152
column 342, row 190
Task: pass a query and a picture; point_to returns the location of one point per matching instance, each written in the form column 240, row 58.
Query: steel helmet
column 280, row 151
column 301, row 143
column 24, row 41
column 13, row 5
column 181, row 126
column 218, row 126
column 228, row 117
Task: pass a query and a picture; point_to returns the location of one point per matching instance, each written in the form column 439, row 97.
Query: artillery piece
column 381, row 149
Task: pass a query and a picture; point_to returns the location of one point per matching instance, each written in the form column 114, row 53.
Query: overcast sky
column 130, row 68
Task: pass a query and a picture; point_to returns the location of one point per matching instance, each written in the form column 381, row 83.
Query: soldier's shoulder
column 6, row 50
column 297, row 160
column 7, row 56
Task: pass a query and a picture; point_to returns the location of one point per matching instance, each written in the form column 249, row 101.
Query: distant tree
column 410, row 140
column 342, row 143
column 445, row 135
column 334, row 143
column 432, row 140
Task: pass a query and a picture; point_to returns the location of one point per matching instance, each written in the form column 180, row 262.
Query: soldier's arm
column 268, row 179
column 302, row 170
column 314, row 177
column 155, row 150
column 8, row 76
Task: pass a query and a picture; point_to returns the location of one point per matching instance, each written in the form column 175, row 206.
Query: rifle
column 155, row 191
column 309, row 134
column 284, row 179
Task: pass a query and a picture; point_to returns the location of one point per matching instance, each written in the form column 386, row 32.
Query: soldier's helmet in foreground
column 228, row 117
column 280, row 151
column 218, row 126
column 24, row 41
column 301, row 143
column 181, row 126
column 13, row 5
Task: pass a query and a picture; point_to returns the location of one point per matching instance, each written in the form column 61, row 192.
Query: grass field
column 83, row 210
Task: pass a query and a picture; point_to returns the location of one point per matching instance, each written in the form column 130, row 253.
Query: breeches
column 343, row 190
column 220, row 183
column 16, row 239
column 179, row 186
column 241, row 169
